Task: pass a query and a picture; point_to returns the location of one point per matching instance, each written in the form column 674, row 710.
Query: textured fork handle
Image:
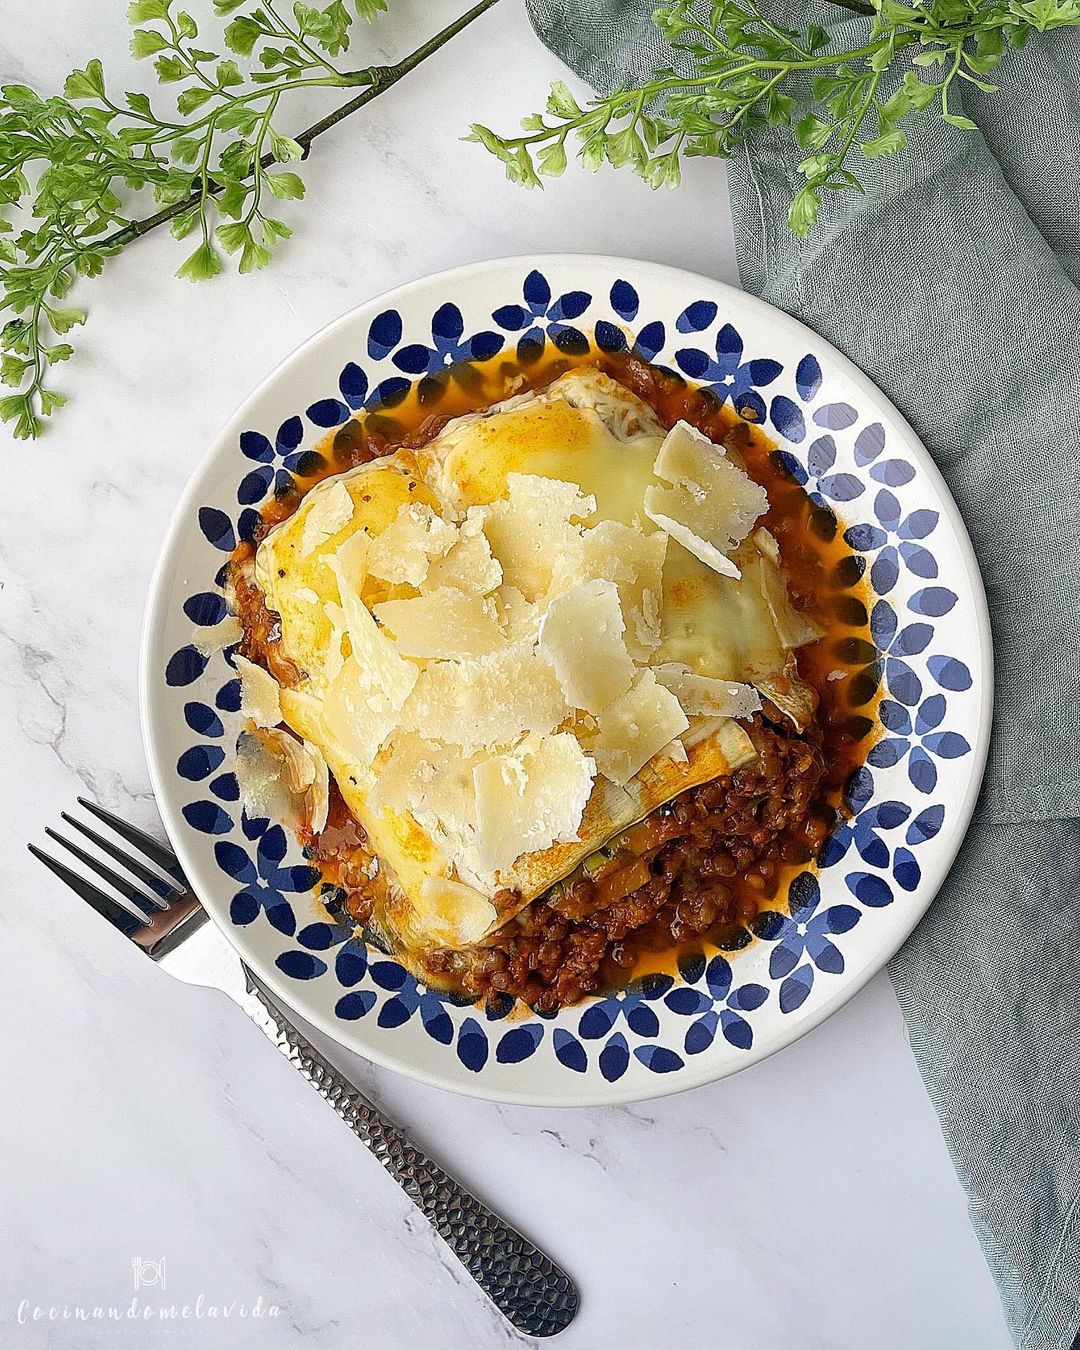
column 527, row 1287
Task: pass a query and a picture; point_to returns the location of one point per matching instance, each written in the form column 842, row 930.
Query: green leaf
column 223, row 7
column 186, row 149
column 804, row 211
column 145, row 11
column 328, row 27
column 189, row 99
column 956, row 120
column 551, row 159
column 931, row 58
column 187, row 25
column 63, row 320
column 920, row 95
column 288, row 186
column 88, row 83
column 139, row 103
column 184, row 223
column 203, row 264
column 12, row 370
column 19, row 408
column 561, row 102
column 274, row 230
column 228, row 73
column 59, row 351
column 254, row 255
column 888, row 143
column 367, row 9
column 241, row 35
column 284, row 148
column 231, row 202
column 811, row 132
column 234, row 236
column 146, row 42
column 50, row 400
column 170, row 69
column 239, row 117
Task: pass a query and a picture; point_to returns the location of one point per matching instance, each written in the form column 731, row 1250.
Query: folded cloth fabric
column 953, row 282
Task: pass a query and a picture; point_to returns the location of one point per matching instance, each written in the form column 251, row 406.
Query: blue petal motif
column 569, row 1051
column 821, row 456
column 836, row 416
column 300, row 965
column 808, row 377
column 794, row 990
column 203, row 720
column 614, row 1058
column 869, row 443
column 185, row 666
column 519, row 1043
column 787, row 417
column 925, row 825
column 933, row 601
column 472, row 1045
column 384, row 334
column 624, row 300
column 199, row 762
column 950, row 673
column 658, row 1058
column 870, row 890
column 696, row 317
column 207, row 817
column 351, row 1007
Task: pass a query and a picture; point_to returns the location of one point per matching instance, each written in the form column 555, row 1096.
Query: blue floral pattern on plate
column 849, row 451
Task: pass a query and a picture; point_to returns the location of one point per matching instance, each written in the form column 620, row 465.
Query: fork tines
column 149, row 907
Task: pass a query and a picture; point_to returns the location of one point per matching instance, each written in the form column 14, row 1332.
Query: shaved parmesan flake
column 384, row 669
column 453, row 914
column 533, row 531
column 635, row 562
column 625, row 415
column 487, row 700
column 260, row 694
column 530, row 798
column 283, row 777
column 468, row 566
column 403, row 552
column 357, row 715
column 319, row 790
column 219, row 635
column 582, row 636
column 675, row 751
column 519, row 618
column 712, row 504
column 767, row 544
column 431, row 781
column 446, row 625
column 701, row 694
column 331, row 510
column 637, row 726
column 793, row 628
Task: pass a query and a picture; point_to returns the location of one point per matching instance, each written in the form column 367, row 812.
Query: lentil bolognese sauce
column 700, row 870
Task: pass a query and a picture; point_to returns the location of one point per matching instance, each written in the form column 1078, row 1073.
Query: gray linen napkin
column 954, row 284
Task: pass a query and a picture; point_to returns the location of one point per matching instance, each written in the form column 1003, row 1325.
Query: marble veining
column 809, row 1202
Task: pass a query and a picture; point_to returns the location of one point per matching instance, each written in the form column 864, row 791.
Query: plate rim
column 155, row 615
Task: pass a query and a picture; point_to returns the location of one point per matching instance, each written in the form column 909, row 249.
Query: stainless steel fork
column 164, row 918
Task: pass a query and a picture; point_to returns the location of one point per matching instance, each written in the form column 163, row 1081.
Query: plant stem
column 382, row 79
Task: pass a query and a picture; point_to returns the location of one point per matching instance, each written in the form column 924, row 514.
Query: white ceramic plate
column 910, row 805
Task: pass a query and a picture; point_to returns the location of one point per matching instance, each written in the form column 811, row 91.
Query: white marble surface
column 807, row 1203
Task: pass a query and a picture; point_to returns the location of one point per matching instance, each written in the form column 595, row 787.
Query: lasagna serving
column 534, row 683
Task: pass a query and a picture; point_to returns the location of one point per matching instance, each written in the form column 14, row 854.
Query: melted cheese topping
column 500, row 651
